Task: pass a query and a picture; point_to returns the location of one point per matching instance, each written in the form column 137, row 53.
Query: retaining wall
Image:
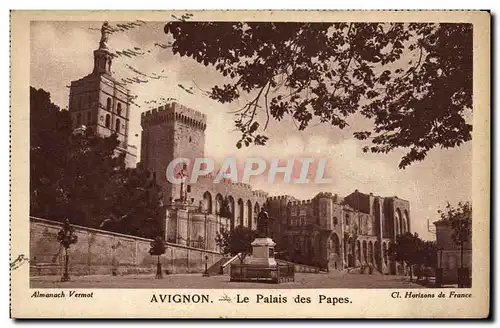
column 100, row 252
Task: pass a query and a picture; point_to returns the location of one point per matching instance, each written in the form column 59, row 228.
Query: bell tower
column 102, row 56
column 99, row 102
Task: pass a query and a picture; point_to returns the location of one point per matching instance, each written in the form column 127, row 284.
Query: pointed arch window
column 207, row 204
column 108, row 120
column 117, row 125
column 119, row 109
column 78, row 119
column 108, row 104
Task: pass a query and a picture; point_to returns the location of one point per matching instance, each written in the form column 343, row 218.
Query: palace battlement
column 300, row 202
column 292, row 201
column 174, row 112
column 278, row 197
column 260, row 193
column 211, row 177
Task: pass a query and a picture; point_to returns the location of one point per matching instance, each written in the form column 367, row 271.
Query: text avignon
column 180, row 298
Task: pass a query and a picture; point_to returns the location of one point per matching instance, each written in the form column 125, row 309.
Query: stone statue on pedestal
column 103, row 44
column 263, row 224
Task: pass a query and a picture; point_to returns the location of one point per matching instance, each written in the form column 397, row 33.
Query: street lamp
column 66, row 237
column 439, row 269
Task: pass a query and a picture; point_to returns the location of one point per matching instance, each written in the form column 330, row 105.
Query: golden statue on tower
column 105, row 31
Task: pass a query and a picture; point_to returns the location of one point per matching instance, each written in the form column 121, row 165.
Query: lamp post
column 205, row 237
column 440, row 270
column 66, row 237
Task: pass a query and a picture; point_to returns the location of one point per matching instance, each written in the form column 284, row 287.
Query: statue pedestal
column 260, row 266
column 262, row 253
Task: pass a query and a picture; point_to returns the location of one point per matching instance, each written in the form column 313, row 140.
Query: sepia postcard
column 250, row 164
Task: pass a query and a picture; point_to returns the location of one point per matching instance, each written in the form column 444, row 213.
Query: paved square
column 302, row 280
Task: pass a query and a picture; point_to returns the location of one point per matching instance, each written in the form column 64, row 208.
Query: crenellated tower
column 168, row 132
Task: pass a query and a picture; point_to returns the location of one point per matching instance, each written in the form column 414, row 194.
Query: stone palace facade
column 327, row 231
column 338, row 233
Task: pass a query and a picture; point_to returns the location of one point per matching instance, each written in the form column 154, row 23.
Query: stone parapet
column 174, row 112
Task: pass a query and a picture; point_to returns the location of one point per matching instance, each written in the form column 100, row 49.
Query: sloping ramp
column 222, row 266
column 215, row 269
column 300, row 267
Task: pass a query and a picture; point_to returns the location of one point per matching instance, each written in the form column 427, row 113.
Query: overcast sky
column 63, row 51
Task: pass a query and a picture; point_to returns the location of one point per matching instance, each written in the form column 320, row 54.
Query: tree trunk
column 66, row 261
column 462, row 255
column 411, row 273
column 159, row 274
column 461, row 279
column 65, row 276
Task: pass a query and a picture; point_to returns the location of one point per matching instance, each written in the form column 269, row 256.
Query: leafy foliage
column 460, row 218
column 236, row 241
column 67, row 235
column 407, row 249
column 78, row 175
column 428, row 254
column 412, row 250
column 413, row 80
column 158, row 247
column 134, row 204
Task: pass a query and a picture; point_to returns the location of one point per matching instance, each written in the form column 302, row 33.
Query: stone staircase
column 222, row 266
column 300, row 267
column 214, row 269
